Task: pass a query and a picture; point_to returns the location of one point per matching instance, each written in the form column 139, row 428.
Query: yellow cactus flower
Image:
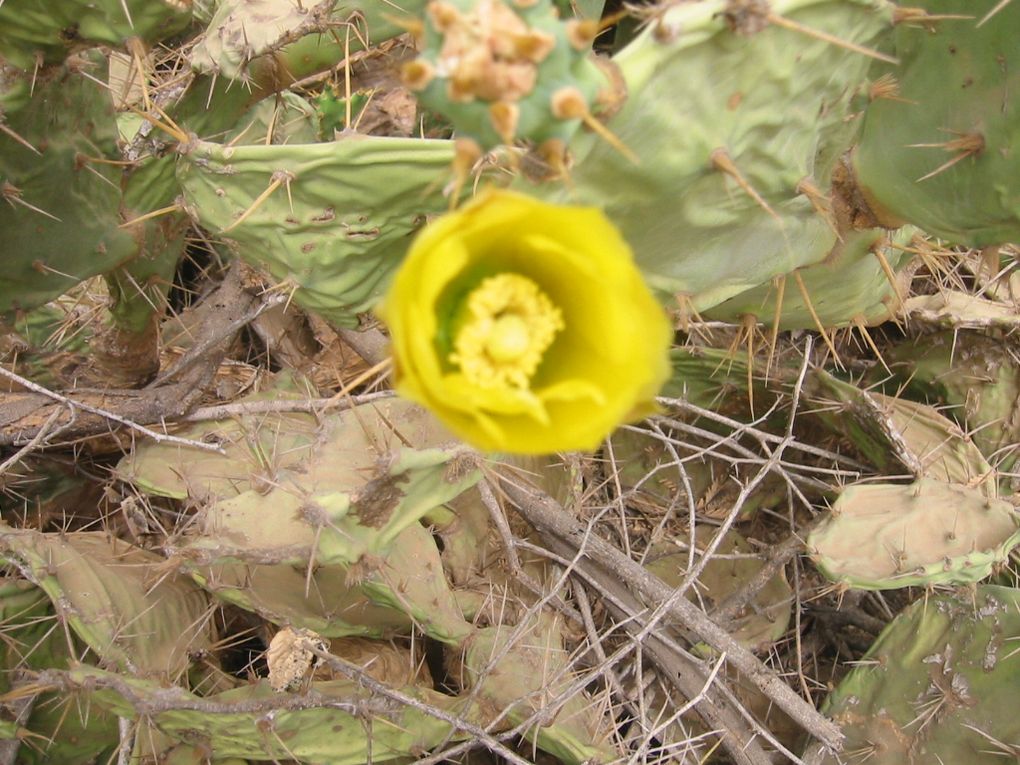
column 526, row 327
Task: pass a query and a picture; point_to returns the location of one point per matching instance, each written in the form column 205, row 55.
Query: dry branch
column 545, row 514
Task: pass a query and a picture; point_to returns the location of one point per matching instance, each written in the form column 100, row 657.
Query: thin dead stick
column 758, row 435
column 694, row 572
column 678, row 667
column 352, row 672
column 774, row 459
column 746, row 455
column 308, row 406
column 781, row 555
column 505, row 533
column 595, row 640
column 153, row 434
column 545, row 514
column 502, row 528
column 38, row 438
column 125, row 728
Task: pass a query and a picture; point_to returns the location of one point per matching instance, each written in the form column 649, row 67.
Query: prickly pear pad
column 463, row 330
column 942, row 153
column 774, row 107
column 330, row 219
column 101, row 588
column 885, row 536
column 48, row 30
column 344, row 725
column 939, row 684
column 60, row 216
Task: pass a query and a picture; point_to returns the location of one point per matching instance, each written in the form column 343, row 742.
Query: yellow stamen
column 508, row 326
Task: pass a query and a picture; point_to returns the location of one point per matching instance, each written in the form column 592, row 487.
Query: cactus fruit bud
column 495, row 65
column 417, row 74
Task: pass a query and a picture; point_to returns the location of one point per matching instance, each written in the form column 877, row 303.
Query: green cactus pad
column 886, row 536
column 53, row 732
column 776, row 104
column 243, row 30
column 409, row 578
column 55, row 28
column 339, row 721
column 941, row 153
column 337, row 218
column 354, row 488
column 322, row 601
column 976, row 376
column 939, row 685
column 59, row 214
column 24, row 609
column 331, row 109
column 346, row 503
column 116, row 598
column 848, row 287
column 463, row 526
column 254, row 448
column 960, row 310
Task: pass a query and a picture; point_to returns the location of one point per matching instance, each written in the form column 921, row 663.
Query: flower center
column 507, row 327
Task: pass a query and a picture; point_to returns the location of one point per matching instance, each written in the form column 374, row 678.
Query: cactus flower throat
column 510, row 323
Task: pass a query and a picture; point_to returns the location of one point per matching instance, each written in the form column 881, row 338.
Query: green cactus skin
column 956, row 100
column 356, row 488
column 849, row 287
column 463, row 526
column 337, row 222
column 101, row 588
column 66, row 117
column 71, row 118
column 354, row 509
column 346, row 495
column 938, row 685
column 778, row 109
column 887, row 536
column 408, row 577
column 952, row 309
column 53, row 733
column 501, row 71
column 325, row 730
column 255, row 448
column 331, row 110
column 287, row 595
column 56, row 28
